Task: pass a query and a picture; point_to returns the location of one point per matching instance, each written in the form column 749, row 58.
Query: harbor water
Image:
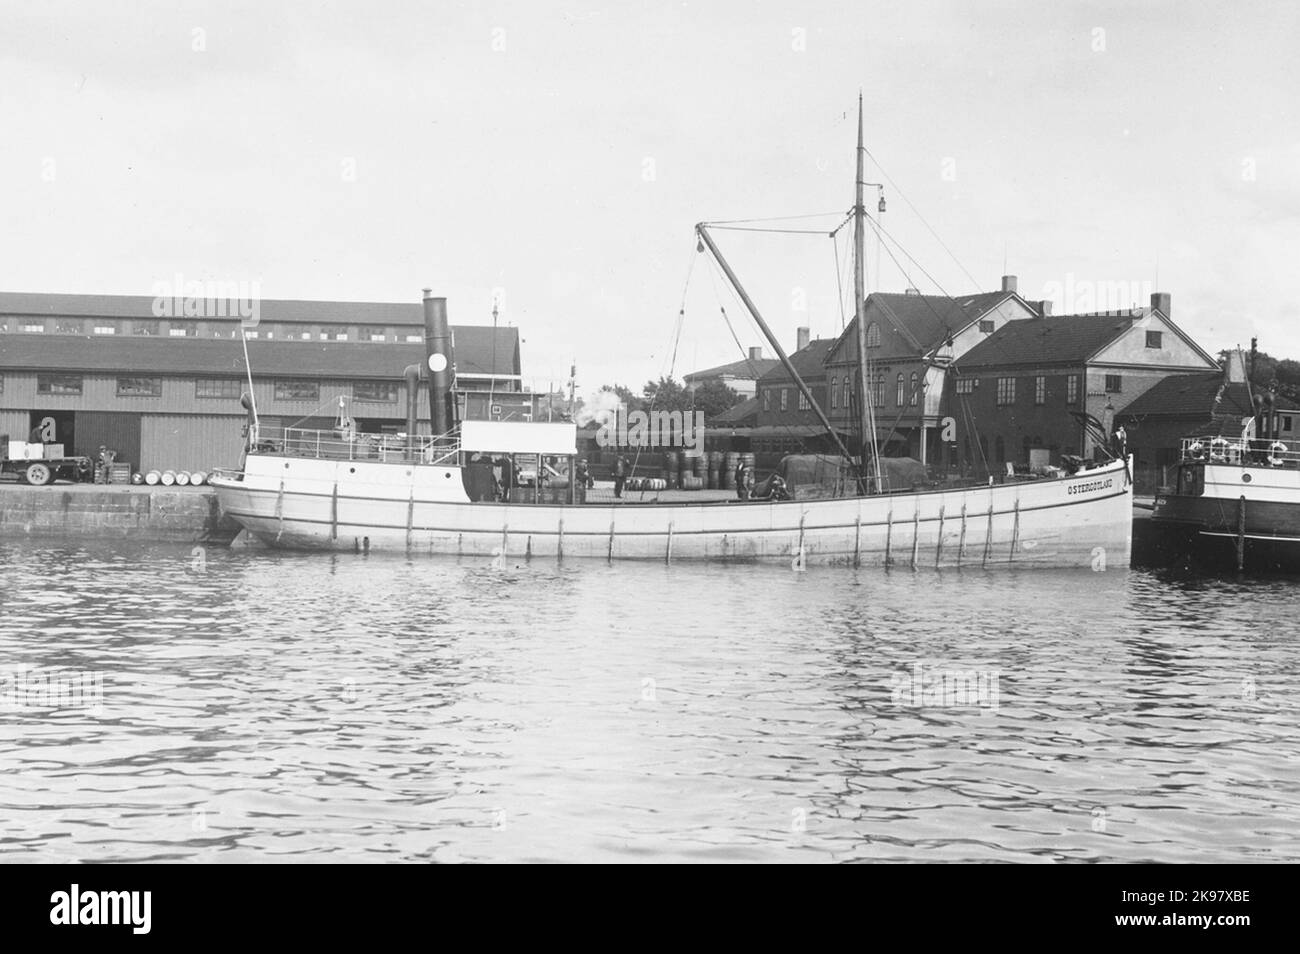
column 162, row 702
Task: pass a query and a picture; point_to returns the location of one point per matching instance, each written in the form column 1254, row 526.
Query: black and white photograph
column 593, row 432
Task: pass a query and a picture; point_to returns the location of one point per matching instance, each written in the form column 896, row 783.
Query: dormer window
column 986, row 326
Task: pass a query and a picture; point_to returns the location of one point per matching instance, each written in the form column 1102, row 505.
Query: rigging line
column 751, row 228
column 681, row 313
column 839, row 279
column 320, row 407
column 777, row 218
column 918, row 214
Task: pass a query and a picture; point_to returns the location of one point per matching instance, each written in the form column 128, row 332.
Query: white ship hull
column 1080, row 521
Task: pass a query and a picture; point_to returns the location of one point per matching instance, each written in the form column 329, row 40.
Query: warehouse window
column 297, row 390
column 899, row 399
column 68, row 327
column 785, row 397
column 181, row 331
column 1153, row 339
column 414, row 339
column 916, row 390
column 139, row 387
column 835, row 396
column 803, row 401
column 217, row 387
column 767, row 400
column 1040, row 390
column 1006, row 395
column 966, row 385
column 372, row 334
column 1072, row 389
column 986, row 326
column 104, row 328
column 2, row 391
column 34, row 327
column 58, row 384
column 377, row 392
column 1114, row 384
column 873, row 335
column 879, row 396
column 148, row 328
column 305, row 336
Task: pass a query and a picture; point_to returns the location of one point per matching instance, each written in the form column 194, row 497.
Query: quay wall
column 139, row 513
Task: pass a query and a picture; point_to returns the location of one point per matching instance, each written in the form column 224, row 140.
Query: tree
column 714, row 397
column 666, row 395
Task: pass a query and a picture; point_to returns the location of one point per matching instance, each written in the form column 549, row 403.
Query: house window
column 1153, row 339
column 785, row 395
column 372, row 334
column 835, row 394
column 2, row 391
column 1072, row 389
column 1040, row 390
column 217, row 387
column 58, row 384
column 105, row 329
column 181, row 331
column 414, row 339
column 879, row 396
column 767, row 400
column 297, row 390
column 873, row 335
column 144, row 327
column 68, row 327
column 803, row 401
column 376, row 392
column 986, row 326
column 341, row 336
column 253, row 334
column 34, row 327
column 966, row 385
column 898, row 390
column 1286, row 421
column 139, row 387
column 846, row 394
column 1006, row 395
column 916, row 391
column 1114, row 384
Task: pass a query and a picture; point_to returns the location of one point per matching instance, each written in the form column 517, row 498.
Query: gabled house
column 786, row 421
column 911, row 341
column 1010, row 396
column 741, row 376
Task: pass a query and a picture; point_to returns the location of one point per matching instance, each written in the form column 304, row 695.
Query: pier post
column 1241, row 533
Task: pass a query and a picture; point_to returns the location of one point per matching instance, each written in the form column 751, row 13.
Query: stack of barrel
column 694, row 472
column 672, row 465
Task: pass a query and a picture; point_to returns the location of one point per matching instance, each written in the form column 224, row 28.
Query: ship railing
column 1259, row 452
column 348, row 444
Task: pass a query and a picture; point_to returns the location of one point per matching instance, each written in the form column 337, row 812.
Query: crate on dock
column 119, row 473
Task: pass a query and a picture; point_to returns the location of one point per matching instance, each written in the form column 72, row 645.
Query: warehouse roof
column 808, row 361
column 1051, row 340
column 270, row 309
column 473, row 344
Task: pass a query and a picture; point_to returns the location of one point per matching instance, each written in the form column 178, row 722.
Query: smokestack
column 1008, row 283
column 437, row 346
column 802, row 337
column 912, row 291
column 1162, row 302
column 756, row 353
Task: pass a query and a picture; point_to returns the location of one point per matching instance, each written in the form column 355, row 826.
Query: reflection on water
column 259, row 706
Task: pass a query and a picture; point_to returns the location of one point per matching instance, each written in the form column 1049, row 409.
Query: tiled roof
column 222, row 356
column 270, row 309
column 746, row 409
column 745, row 368
column 1053, row 340
column 1191, row 395
column 929, row 319
column 808, row 361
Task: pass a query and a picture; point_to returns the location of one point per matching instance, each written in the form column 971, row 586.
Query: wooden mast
column 867, row 433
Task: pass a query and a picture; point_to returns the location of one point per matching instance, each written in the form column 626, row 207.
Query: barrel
column 152, row 478
column 559, row 483
column 700, row 465
column 137, row 478
column 692, row 483
column 183, row 478
column 168, row 478
column 198, row 478
column 729, row 464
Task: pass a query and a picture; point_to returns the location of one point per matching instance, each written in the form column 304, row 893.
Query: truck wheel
column 38, row 475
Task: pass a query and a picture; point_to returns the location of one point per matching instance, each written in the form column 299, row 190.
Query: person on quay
column 620, row 475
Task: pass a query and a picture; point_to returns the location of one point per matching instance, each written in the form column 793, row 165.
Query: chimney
column 912, row 291
column 1160, row 301
column 1236, row 369
column 756, row 353
column 1008, row 283
column 802, row 337
column 1045, row 309
column 437, row 347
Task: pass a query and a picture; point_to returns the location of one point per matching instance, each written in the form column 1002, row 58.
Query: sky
column 554, row 157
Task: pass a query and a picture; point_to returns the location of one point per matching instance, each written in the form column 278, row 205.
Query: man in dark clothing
column 744, row 481
column 620, row 475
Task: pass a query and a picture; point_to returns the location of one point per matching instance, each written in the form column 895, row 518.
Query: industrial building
column 164, row 391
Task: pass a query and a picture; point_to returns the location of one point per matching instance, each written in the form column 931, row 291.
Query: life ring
column 1219, row 449
column 1275, row 449
column 1196, row 449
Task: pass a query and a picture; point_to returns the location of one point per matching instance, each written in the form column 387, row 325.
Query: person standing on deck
column 620, row 475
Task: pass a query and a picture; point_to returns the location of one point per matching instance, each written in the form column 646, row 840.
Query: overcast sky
column 559, row 154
